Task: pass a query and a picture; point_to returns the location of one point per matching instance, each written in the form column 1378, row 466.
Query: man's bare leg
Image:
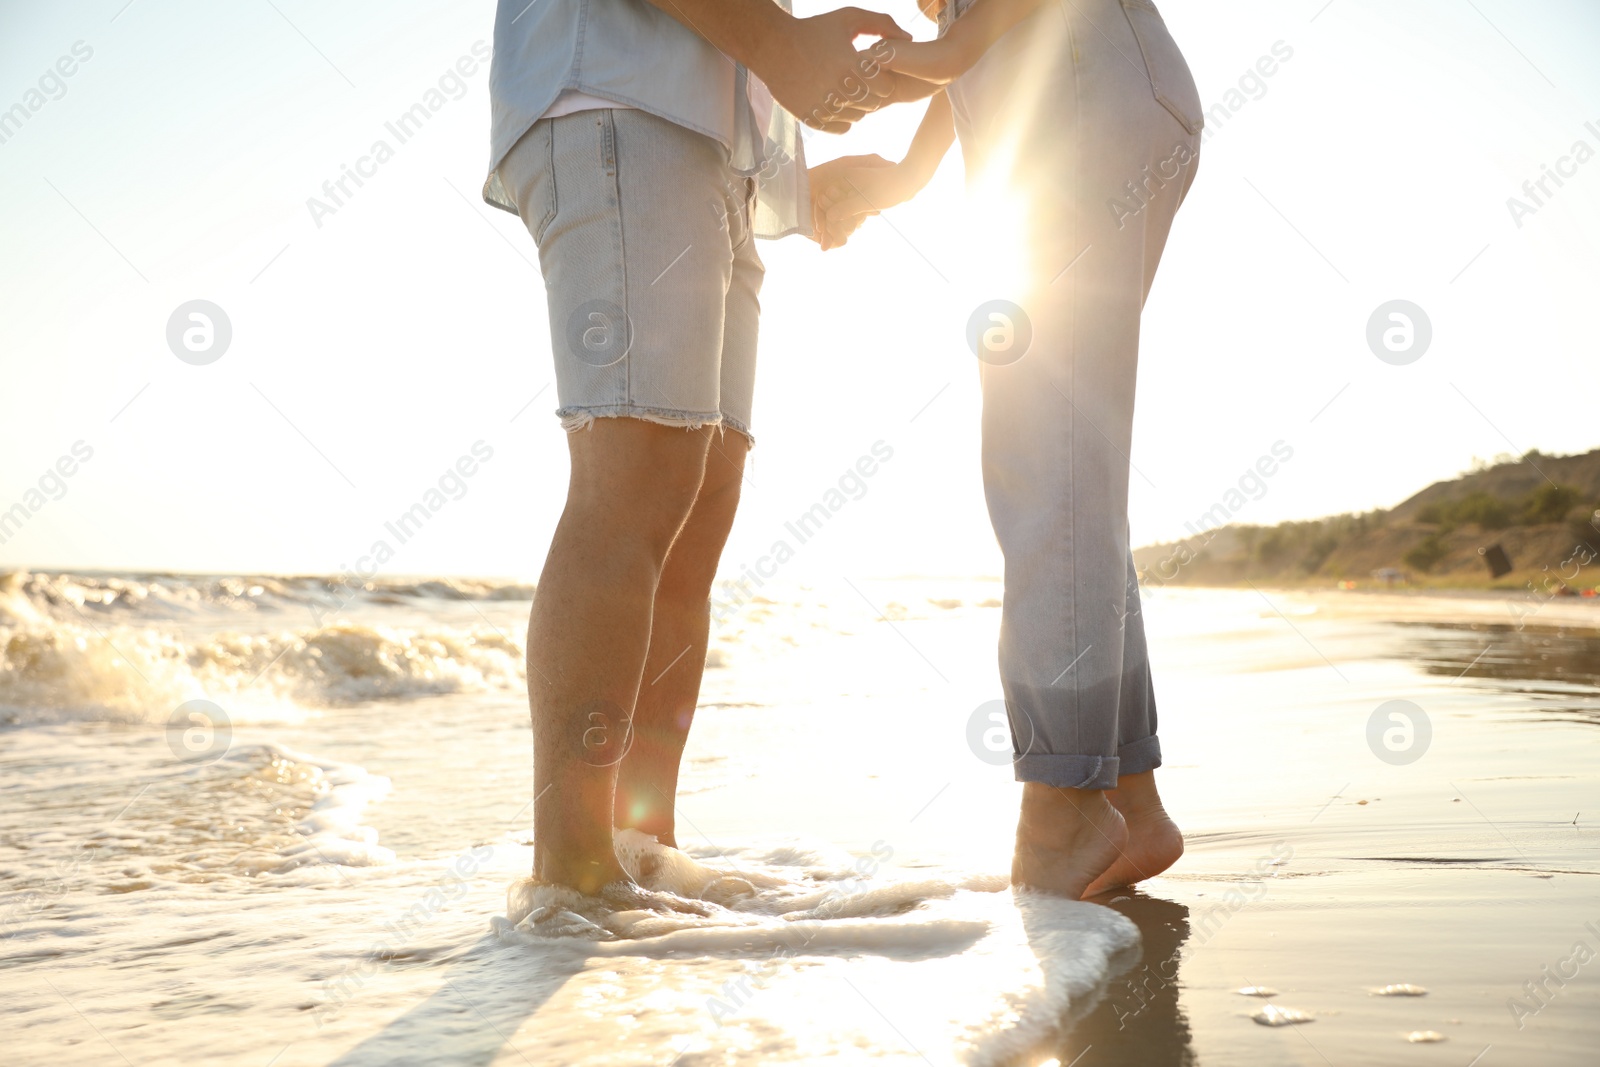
column 633, row 485
column 647, row 778
column 1154, row 840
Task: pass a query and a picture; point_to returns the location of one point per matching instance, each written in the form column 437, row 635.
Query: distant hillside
column 1510, row 480
column 1542, row 511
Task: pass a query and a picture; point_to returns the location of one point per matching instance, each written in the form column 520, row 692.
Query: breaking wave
column 30, row 596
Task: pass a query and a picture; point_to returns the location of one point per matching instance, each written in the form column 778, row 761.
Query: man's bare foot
column 1066, row 838
column 582, row 865
column 1154, row 840
column 553, row 910
column 627, row 895
column 602, row 877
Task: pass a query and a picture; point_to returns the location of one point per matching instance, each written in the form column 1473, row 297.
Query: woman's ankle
column 1136, row 794
column 1054, row 815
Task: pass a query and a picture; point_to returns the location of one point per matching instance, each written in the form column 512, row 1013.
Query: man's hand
column 815, row 72
column 861, row 185
column 811, row 65
column 845, row 191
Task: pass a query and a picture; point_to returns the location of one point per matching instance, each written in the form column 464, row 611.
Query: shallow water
column 320, row 881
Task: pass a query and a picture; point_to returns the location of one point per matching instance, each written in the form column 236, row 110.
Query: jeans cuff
column 1141, row 756
column 1067, row 772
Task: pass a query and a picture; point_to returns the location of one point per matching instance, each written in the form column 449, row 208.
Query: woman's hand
column 831, row 235
column 845, row 191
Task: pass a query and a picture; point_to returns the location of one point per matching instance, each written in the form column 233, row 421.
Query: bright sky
column 369, row 353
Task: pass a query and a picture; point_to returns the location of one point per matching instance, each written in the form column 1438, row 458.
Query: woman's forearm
column 969, row 37
column 933, row 139
column 985, row 22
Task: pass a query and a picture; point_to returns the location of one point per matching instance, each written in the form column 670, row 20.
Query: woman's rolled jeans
column 1087, row 114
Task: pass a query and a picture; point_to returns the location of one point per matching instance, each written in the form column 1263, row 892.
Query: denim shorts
column 650, row 272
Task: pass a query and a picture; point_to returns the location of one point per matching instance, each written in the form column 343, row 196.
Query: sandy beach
column 325, row 888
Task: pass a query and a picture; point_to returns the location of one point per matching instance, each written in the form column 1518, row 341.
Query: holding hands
column 816, row 73
column 845, row 191
column 813, row 69
column 811, row 65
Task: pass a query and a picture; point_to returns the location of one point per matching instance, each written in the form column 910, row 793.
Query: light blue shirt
column 636, row 54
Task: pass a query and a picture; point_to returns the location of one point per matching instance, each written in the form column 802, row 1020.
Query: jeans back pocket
column 1170, row 79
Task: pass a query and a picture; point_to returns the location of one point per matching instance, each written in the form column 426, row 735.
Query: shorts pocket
column 540, row 210
column 1170, row 79
column 741, row 196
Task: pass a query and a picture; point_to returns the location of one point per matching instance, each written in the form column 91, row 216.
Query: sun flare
column 994, row 245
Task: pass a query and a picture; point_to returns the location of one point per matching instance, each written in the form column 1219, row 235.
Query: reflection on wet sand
column 1566, row 656
column 1138, row 1021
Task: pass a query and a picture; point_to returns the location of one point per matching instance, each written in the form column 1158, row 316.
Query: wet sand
column 1465, row 864
column 1332, row 848
column 1472, row 872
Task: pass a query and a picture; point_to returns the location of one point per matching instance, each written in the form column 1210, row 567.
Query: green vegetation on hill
column 1548, row 503
column 1542, row 511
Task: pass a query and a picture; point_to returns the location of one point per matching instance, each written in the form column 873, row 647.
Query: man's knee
column 693, row 564
column 709, row 523
column 718, row 496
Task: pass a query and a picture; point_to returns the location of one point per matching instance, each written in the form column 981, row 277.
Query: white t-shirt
column 571, row 101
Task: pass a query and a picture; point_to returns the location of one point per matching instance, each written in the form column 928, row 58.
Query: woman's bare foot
column 1154, row 840
column 1066, row 838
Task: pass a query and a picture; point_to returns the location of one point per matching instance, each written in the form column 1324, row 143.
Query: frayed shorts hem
column 731, row 423
column 574, row 419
